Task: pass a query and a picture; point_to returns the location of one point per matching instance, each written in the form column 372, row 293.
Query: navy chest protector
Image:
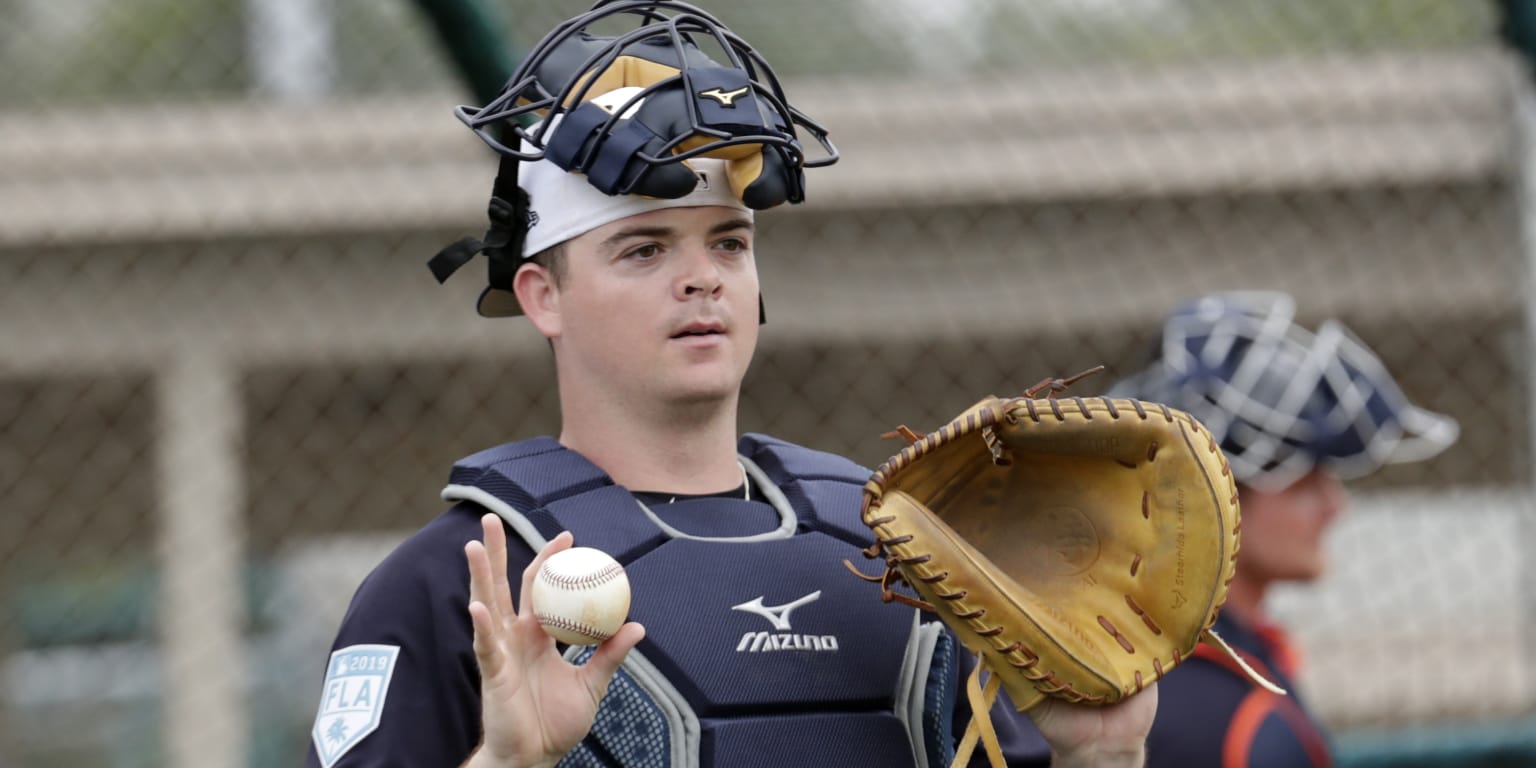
column 760, row 648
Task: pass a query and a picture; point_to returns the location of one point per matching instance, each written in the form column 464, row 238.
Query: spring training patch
column 352, row 698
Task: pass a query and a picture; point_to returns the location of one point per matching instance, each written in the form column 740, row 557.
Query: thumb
column 605, row 661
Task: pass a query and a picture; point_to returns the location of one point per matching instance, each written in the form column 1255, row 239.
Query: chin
column 708, row 382
column 704, row 392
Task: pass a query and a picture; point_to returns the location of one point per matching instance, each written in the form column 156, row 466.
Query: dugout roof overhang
column 212, row 169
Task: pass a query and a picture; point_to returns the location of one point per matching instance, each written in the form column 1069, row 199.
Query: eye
column 734, row 245
column 645, row 252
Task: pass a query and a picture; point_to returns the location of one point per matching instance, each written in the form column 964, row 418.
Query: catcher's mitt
column 1080, row 546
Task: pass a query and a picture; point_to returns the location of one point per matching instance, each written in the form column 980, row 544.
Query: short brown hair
column 552, row 259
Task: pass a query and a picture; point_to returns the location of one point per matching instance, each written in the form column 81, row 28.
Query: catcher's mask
column 1282, row 399
column 634, row 114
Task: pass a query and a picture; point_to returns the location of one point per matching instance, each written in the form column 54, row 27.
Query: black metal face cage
column 525, row 95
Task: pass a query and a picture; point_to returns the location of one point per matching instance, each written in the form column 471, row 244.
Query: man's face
column 1282, row 537
column 661, row 307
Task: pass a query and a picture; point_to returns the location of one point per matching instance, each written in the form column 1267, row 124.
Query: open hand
column 535, row 706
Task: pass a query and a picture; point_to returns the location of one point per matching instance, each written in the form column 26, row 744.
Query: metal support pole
column 1525, row 199
column 291, row 45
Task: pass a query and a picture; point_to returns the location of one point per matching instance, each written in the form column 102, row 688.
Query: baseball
column 581, row 596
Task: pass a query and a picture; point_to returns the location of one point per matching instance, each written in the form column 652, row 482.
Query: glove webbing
column 980, row 727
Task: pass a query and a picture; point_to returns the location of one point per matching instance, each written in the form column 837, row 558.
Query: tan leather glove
column 1080, row 546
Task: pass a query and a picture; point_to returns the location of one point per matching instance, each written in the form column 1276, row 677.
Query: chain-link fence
column 228, row 383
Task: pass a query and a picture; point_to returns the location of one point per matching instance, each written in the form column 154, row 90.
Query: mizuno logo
column 726, row 98
column 778, row 614
column 762, row 642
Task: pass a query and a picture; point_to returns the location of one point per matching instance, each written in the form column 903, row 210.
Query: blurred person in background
column 757, row 646
column 1297, row 412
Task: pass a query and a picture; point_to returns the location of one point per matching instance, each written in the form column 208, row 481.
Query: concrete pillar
column 202, row 602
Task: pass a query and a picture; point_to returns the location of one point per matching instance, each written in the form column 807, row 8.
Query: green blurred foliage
column 133, row 51
column 121, row 51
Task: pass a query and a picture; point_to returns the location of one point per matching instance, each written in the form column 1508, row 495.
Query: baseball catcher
column 1080, row 546
column 1297, row 412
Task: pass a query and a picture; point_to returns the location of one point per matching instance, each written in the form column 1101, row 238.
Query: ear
column 539, row 297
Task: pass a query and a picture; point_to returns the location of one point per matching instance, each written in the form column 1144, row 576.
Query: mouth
column 699, row 330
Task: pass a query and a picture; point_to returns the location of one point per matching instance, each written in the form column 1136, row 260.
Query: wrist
column 1101, row 756
column 482, row 758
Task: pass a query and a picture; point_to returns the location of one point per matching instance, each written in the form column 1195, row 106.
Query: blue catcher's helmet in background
column 638, row 112
column 1282, row 399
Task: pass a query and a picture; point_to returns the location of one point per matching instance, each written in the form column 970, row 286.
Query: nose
column 698, row 274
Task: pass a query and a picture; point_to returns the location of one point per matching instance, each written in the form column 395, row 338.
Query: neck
column 1245, row 599
column 681, row 448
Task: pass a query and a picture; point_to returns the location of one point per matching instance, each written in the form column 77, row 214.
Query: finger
column 599, row 669
column 496, row 549
column 481, row 586
column 487, row 648
column 557, row 544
